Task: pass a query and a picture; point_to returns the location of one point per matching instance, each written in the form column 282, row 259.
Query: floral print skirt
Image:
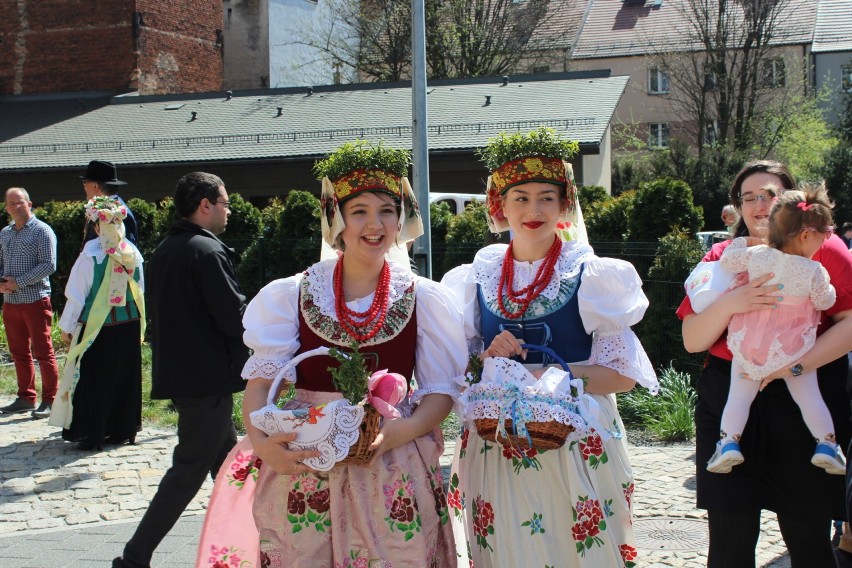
column 391, row 514
column 570, row 507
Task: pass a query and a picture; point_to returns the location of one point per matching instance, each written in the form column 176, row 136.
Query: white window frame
column 658, row 81
column 658, row 135
column 774, row 73
column 846, row 78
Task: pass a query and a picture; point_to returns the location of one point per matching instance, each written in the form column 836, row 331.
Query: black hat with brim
column 102, row 172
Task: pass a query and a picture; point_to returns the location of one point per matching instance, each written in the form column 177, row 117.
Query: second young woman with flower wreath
column 391, row 512
column 572, row 506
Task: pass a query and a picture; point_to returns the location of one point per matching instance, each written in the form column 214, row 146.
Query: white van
column 456, row 201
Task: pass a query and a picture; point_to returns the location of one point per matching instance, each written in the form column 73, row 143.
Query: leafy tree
column 243, row 224
column 465, row 236
column 610, row 221
column 371, row 40
column 146, row 215
column 727, row 82
column 440, row 217
column 291, row 242
column 678, row 253
column 837, row 169
column 660, row 206
column 591, row 195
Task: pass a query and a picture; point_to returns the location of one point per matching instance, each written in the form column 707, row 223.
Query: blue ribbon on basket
column 520, row 411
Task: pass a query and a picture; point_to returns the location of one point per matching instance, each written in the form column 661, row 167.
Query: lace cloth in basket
column 330, row 428
column 509, row 391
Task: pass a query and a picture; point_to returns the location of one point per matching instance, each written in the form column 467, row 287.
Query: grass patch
column 667, row 416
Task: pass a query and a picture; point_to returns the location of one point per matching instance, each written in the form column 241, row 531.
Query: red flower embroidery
column 296, row 503
column 627, row 552
column 454, row 500
column 402, row 510
column 593, row 446
column 319, row 501
column 628, row 492
column 484, row 517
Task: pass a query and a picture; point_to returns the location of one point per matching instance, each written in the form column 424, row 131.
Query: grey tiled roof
column 558, row 28
column 622, row 29
column 833, row 26
column 139, row 130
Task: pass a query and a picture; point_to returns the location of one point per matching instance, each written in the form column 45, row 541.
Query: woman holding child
column 777, row 474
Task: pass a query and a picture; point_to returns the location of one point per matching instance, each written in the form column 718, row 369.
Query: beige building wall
column 638, row 108
column 246, row 44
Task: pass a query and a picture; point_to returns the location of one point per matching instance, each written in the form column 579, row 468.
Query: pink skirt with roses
column 570, row 507
column 391, row 514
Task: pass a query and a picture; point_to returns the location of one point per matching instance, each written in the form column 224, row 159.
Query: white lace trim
column 622, row 352
column 94, row 248
column 320, row 282
column 334, row 431
column 487, row 267
column 801, row 276
column 70, row 318
column 776, row 358
column 420, row 392
column 508, row 391
column 264, row 368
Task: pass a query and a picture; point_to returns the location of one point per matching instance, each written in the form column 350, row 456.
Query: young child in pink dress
column 764, row 341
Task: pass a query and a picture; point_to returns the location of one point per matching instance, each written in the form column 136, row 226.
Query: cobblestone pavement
column 63, row 507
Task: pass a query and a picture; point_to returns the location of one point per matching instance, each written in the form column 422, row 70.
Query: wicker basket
column 360, row 452
column 544, row 435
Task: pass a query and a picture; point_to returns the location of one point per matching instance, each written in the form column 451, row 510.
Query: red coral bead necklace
column 362, row 326
column 526, row 295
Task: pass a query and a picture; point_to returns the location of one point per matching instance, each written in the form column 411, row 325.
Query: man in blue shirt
column 27, row 259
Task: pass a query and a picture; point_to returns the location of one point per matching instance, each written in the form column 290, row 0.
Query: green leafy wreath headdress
column 361, row 166
column 538, row 156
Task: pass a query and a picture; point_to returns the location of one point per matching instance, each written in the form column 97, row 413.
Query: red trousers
column 29, row 325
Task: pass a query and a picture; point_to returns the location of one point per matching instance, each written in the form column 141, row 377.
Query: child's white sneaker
column 830, row 458
column 725, row 457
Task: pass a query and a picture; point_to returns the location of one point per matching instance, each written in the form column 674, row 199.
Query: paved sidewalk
column 63, row 507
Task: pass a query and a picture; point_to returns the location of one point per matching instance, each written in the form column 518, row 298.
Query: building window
column 658, row 82
column 774, row 73
column 659, row 135
column 846, row 78
column 541, row 69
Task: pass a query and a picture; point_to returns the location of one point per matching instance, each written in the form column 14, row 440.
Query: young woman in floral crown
column 572, row 506
column 100, row 395
column 391, row 512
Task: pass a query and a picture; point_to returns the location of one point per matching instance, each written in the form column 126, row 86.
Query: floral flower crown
column 105, row 209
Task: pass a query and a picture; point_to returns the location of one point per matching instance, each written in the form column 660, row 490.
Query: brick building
column 150, row 46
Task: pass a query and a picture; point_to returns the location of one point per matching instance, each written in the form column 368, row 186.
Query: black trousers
column 733, row 539
column 206, row 434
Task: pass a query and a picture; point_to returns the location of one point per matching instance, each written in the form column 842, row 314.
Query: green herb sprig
column 542, row 142
column 350, row 378
column 474, row 369
column 362, row 154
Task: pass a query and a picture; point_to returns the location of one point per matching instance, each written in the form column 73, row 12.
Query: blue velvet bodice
column 557, row 326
